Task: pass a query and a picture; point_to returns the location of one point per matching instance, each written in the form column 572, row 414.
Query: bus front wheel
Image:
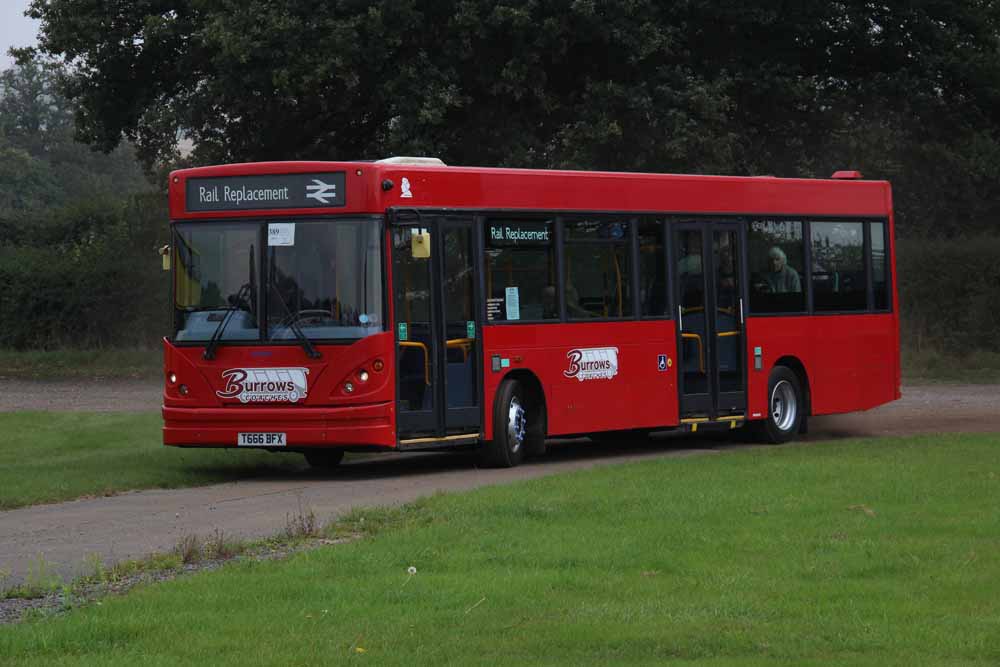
column 324, row 459
column 785, row 407
column 510, row 428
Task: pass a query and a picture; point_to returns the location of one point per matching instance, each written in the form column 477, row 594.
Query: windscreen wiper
column 293, row 325
column 213, row 342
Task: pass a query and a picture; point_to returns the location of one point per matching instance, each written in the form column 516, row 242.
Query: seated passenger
column 781, row 278
column 550, row 308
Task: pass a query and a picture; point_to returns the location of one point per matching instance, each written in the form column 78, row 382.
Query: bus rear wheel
column 512, row 434
column 324, row 459
column 785, row 407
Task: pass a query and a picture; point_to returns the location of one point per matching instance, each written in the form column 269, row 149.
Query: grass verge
column 52, row 456
column 929, row 365
column 875, row 552
column 125, row 363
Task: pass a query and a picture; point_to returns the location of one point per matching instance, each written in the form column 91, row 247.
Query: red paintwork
column 639, row 396
column 852, row 362
column 471, row 187
column 326, row 416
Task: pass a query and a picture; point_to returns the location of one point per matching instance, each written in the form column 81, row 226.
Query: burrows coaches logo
column 592, row 363
column 265, row 385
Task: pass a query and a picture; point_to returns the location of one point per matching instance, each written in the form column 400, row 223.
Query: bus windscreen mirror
column 165, row 256
column 420, row 244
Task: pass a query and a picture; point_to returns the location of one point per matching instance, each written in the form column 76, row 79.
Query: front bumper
column 360, row 426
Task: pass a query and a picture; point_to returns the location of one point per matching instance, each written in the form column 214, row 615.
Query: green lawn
column 930, row 365
column 50, row 456
column 876, row 552
column 82, row 364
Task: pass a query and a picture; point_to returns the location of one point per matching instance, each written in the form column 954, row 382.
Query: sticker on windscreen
column 281, row 234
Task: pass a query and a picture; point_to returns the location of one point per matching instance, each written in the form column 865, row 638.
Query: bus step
column 439, row 441
column 692, row 424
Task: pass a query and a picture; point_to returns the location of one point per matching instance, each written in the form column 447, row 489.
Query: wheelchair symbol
column 661, row 362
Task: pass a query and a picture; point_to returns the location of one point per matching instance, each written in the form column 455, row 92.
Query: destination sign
column 244, row 193
column 508, row 233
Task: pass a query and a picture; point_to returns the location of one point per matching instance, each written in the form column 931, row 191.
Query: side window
column 597, row 281
column 520, row 270
column 776, row 258
column 880, row 267
column 838, row 266
column 652, row 269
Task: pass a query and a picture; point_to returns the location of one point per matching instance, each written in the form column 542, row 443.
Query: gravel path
column 136, row 524
column 86, row 395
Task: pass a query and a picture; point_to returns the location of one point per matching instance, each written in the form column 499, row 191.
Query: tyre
column 537, row 429
column 785, row 407
column 324, row 459
column 510, row 428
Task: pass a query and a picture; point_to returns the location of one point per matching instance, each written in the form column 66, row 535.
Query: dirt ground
column 924, row 408
column 134, row 525
column 90, row 396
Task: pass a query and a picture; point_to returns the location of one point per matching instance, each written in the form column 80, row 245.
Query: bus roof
column 323, row 188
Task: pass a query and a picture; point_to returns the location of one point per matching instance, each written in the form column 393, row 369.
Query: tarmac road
column 137, row 524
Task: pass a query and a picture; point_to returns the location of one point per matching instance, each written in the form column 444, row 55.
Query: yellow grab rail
column 427, row 357
column 465, row 344
column 701, row 352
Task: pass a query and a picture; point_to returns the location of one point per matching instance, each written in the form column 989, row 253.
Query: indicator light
column 378, row 365
column 363, row 376
column 183, row 389
column 348, row 387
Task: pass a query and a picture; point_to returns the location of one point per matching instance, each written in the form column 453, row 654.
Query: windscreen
column 326, row 283
column 277, row 280
column 215, row 271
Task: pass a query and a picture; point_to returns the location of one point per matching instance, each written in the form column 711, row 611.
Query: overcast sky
column 16, row 29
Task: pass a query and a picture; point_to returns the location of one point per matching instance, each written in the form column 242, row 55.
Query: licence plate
column 261, row 440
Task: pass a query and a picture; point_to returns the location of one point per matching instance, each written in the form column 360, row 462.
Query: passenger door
column 710, row 319
column 435, row 282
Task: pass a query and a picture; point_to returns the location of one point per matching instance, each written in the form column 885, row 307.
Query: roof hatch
column 402, row 159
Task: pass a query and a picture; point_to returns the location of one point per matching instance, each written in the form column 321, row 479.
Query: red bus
column 325, row 307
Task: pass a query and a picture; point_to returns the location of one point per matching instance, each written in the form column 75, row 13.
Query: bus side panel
column 878, row 347
column 596, row 376
column 850, row 360
column 776, row 337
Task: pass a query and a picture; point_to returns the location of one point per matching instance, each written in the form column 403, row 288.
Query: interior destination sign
column 240, row 193
column 507, row 233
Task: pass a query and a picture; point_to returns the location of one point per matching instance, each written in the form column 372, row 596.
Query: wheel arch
column 534, row 393
column 797, row 367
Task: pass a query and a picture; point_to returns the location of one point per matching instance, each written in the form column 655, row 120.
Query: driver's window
column 776, row 258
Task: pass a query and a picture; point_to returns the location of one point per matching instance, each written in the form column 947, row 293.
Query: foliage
column 41, row 165
column 949, row 294
column 85, row 276
column 76, row 239
column 907, row 91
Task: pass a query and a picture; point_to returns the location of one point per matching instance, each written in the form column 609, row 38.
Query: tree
column 32, row 112
column 41, row 164
column 789, row 88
